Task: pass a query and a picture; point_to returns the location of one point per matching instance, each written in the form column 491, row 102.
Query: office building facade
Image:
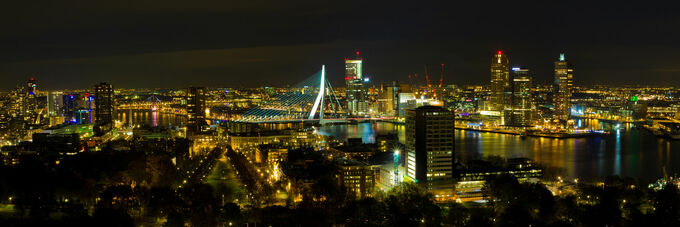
column 103, row 94
column 500, row 82
column 195, row 109
column 521, row 113
column 103, row 113
column 564, row 82
column 356, row 93
column 388, row 102
column 429, row 148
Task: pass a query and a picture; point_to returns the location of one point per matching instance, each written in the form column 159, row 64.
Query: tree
column 667, row 206
column 174, row 219
column 566, row 209
column 161, row 201
column 455, row 214
column 231, row 213
column 104, row 216
column 365, row 212
column 201, row 204
column 515, row 215
column 409, row 205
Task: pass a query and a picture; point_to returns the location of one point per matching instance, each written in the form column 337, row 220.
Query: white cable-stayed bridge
column 313, row 99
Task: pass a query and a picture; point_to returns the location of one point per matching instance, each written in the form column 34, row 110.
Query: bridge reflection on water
column 626, row 151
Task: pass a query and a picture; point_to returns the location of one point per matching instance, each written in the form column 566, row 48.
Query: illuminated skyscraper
column 28, row 103
column 19, row 104
column 521, row 113
column 52, row 105
column 357, row 97
column 429, row 148
column 500, row 82
column 103, row 114
column 195, row 110
column 564, row 82
column 103, row 94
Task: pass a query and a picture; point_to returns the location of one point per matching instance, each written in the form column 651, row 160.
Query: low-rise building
column 357, row 177
column 471, row 178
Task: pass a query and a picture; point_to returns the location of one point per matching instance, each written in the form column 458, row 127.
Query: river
column 627, row 151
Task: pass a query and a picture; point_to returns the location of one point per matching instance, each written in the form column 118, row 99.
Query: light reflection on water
column 627, row 151
column 149, row 117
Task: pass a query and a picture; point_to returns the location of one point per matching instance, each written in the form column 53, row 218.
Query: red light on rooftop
column 357, row 52
column 500, row 52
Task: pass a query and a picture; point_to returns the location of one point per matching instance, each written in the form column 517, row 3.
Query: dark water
column 626, row 151
column 151, row 118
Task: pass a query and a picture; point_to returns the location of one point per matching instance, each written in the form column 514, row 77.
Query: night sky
column 141, row 43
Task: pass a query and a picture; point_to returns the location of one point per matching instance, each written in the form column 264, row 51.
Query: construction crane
column 441, row 79
column 427, row 77
column 414, row 83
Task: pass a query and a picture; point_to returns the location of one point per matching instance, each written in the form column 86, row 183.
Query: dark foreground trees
column 104, row 190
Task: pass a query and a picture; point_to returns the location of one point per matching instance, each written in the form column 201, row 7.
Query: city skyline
column 339, row 113
column 77, row 45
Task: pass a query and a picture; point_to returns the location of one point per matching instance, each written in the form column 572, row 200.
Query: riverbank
column 554, row 135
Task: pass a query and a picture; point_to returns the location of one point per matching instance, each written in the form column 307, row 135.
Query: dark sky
column 142, row 43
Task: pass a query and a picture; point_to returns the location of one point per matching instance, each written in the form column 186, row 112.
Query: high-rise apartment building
column 564, row 82
column 103, row 94
column 521, row 113
column 500, row 82
column 357, row 96
column 429, row 148
column 195, row 109
column 103, row 113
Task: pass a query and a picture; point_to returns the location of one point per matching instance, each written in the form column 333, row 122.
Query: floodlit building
column 500, row 81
